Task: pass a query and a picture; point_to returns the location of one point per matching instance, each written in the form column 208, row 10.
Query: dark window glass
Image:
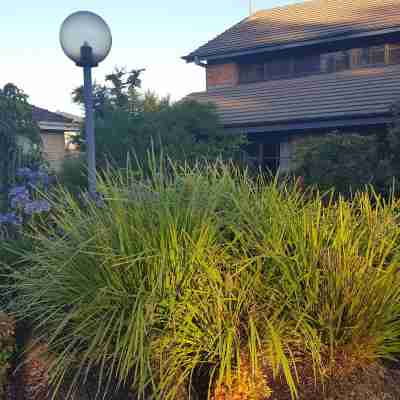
column 337, row 61
column 251, row 73
column 307, row 65
column 364, row 59
column 271, row 156
column 377, row 55
column 394, row 53
column 278, row 69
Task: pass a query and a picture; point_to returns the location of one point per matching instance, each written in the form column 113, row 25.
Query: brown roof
column 347, row 94
column 302, row 23
column 43, row 115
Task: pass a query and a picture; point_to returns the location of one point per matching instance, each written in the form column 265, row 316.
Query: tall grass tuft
column 206, row 272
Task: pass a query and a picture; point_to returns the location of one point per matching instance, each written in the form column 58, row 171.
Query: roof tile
column 359, row 92
column 302, row 22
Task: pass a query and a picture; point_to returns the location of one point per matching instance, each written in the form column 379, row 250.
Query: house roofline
column 287, row 46
column 60, row 127
column 322, row 123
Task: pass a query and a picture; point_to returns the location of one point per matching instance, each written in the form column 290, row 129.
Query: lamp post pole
column 89, row 128
column 86, row 39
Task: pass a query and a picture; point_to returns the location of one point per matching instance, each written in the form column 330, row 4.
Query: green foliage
column 129, row 124
column 73, row 174
column 184, row 131
column 120, row 93
column 15, row 123
column 193, row 268
column 339, row 161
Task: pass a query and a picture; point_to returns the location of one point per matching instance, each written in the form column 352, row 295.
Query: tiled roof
column 43, row 115
column 347, row 94
column 302, row 23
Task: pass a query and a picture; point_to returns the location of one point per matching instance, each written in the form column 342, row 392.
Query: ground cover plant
column 203, row 282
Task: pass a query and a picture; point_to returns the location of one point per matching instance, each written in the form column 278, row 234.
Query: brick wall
column 222, row 75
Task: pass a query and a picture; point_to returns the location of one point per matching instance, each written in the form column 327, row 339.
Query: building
column 304, row 69
column 55, row 129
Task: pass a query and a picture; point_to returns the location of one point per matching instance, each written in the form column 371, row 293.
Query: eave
column 292, row 45
column 312, row 124
column 58, row 127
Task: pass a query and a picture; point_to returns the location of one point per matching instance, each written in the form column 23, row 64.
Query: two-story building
column 304, row 69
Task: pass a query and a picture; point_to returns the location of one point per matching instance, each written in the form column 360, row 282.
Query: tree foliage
column 131, row 123
column 349, row 162
column 340, row 161
column 15, row 122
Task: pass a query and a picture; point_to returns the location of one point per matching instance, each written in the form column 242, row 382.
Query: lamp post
column 86, row 39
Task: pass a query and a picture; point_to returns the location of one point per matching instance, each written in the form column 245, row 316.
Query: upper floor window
column 279, row 68
column 307, row 65
column 319, row 63
column 249, row 73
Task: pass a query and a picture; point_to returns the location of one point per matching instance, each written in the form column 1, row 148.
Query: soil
column 368, row 382
column 373, row 382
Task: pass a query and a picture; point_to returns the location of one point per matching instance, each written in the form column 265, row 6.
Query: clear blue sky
column 153, row 34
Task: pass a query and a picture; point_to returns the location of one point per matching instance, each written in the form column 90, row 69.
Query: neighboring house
column 54, row 127
column 307, row 68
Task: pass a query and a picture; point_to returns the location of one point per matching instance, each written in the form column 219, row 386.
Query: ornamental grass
column 205, row 282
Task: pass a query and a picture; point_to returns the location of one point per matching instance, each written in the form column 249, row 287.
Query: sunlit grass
column 200, row 269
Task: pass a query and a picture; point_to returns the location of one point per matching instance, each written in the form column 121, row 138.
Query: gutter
column 58, row 127
column 311, row 124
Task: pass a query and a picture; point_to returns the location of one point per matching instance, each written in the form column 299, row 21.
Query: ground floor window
column 264, row 155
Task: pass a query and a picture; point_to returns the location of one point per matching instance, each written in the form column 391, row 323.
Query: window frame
column 363, row 59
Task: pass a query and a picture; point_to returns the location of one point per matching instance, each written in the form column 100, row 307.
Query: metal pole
column 89, row 128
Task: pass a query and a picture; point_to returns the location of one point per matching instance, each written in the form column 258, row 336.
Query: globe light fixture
column 86, row 39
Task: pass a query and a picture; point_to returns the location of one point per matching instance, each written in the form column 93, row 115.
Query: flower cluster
column 10, row 218
column 37, row 207
column 23, row 198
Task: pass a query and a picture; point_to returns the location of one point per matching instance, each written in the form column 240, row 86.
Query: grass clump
column 187, row 283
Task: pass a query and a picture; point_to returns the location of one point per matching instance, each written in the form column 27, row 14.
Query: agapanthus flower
column 37, row 207
column 17, row 190
column 10, row 218
column 20, row 199
column 23, row 172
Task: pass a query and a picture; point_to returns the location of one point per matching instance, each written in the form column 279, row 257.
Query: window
column 251, row 73
column 307, row 65
column 394, row 53
column 377, row 55
column 334, row 62
column 280, row 68
column 328, row 62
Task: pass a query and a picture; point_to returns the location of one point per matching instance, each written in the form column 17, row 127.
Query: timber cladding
column 53, row 146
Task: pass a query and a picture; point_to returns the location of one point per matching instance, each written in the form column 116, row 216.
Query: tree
column 119, row 92
column 15, row 122
column 129, row 123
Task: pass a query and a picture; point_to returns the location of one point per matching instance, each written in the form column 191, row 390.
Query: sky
column 151, row 34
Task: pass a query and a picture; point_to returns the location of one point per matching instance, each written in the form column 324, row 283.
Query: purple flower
column 20, row 199
column 17, row 190
column 37, row 207
column 23, row 172
column 10, row 218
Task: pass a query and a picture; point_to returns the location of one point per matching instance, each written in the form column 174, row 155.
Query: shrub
column 203, row 275
column 73, row 175
column 339, row 161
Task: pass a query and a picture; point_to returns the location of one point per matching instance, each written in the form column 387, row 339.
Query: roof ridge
column 302, row 23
